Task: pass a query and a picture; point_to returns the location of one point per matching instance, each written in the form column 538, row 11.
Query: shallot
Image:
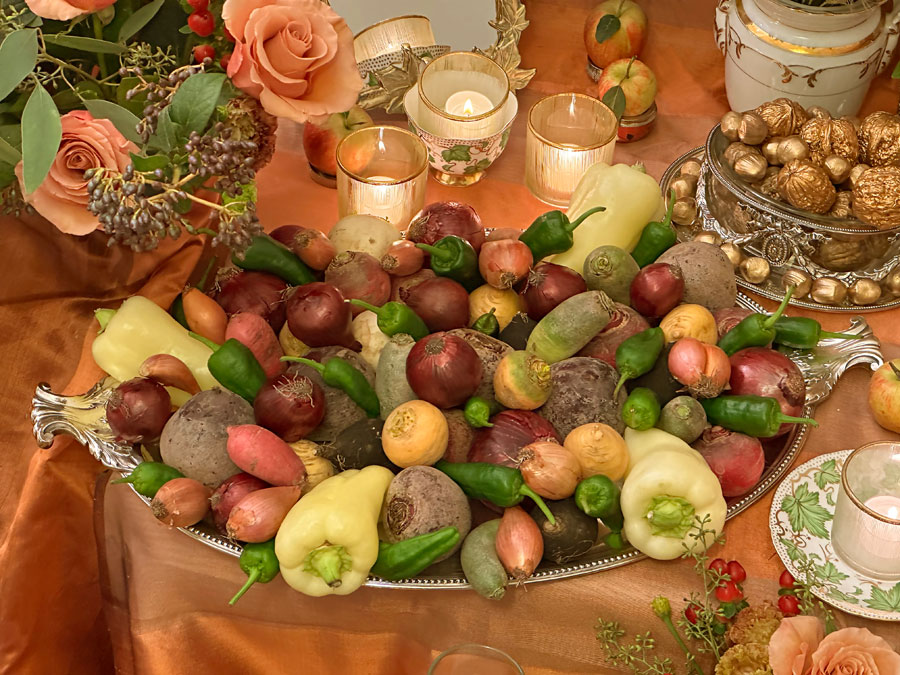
column 169, row 371
column 403, row 258
column 181, row 502
column 259, row 514
column 503, row 263
column 204, row 315
column 229, row 493
column 549, row 469
column 359, row 275
column 311, row 246
column 703, row 368
column 519, row 544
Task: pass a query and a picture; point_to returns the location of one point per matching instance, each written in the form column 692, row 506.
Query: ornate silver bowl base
column 82, row 416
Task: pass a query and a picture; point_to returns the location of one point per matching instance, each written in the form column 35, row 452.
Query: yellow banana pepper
column 631, row 198
column 329, row 540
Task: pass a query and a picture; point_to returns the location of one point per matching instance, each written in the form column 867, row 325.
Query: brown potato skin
column 708, row 275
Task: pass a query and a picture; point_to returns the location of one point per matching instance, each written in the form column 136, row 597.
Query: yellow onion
column 519, row 543
column 181, row 502
column 549, row 469
column 257, row 517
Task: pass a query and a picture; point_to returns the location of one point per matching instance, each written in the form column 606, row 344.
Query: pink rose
column 86, row 143
column 295, row 56
column 855, row 651
column 63, row 10
column 792, row 645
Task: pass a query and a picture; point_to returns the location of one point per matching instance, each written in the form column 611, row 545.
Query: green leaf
column 18, row 56
column 889, row 601
column 839, row 595
column 12, row 134
column 608, row 26
column 8, row 153
column 185, row 30
column 123, row 120
column 829, row 499
column 41, row 134
column 139, row 19
column 458, row 153
column 614, row 98
column 195, row 101
column 794, row 552
column 167, row 133
column 805, row 513
column 7, row 175
column 827, row 474
column 84, row 44
column 151, row 163
column 828, row 573
column 896, row 73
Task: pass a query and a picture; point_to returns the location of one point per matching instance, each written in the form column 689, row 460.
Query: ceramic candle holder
column 381, row 172
column 866, row 529
column 567, row 134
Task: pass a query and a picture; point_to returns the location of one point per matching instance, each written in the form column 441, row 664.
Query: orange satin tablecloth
column 91, row 583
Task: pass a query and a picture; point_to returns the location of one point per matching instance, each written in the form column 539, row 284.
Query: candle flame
column 468, row 108
column 381, row 147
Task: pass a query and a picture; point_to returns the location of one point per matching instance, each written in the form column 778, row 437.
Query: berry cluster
column 201, row 20
column 215, row 155
column 158, row 94
column 727, row 577
column 787, row 594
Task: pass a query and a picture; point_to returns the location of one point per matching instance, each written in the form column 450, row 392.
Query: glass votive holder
column 388, row 36
column 567, row 134
column 472, row 659
column 866, row 528
column 381, row 172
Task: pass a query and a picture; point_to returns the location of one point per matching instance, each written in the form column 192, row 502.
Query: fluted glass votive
column 866, row 528
column 567, row 134
column 381, row 171
column 388, row 36
column 472, row 659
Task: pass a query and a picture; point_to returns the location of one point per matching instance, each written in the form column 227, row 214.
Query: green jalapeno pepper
column 656, row 238
column 641, row 409
column 260, row 563
column 800, row 332
column 551, row 233
column 235, row 367
column 267, row 255
column 638, row 354
column 405, row 559
column 395, row 317
column 598, row 497
column 757, row 416
column 756, row 330
column 487, row 323
column 478, row 412
column 341, row 374
column 454, row 257
column 148, row 477
column 500, row 485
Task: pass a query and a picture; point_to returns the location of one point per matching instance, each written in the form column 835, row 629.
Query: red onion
column 311, row 246
column 254, row 292
column 318, row 316
column 441, row 303
column 764, row 372
column 737, row 460
column 503, row 263
column 703, row 368
column 359, row 275
column 548, row 285
column 400, row 285
column 623, row 323
column 444, row 218
column 138, row 409
column 512, row 431
column 728, row 318
column 443, row 370
column 402, row 258
column 657, row 289
column 289, row 405
column 229, row 493
column 519, row 543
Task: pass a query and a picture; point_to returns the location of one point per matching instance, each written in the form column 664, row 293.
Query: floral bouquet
column 128, row 115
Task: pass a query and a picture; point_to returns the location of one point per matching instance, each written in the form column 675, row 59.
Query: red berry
column 728, row 592
column 202, row 52
column 201, row 22
column 228, row 35
column 224, row 61
column 736, row 571
column 789, row 605
column 719, row 565
column 786, row 580
column 198, row 4
column 690, row 613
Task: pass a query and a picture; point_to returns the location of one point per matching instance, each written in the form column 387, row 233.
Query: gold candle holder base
column 594, row 72
column 322, row 178
column 456, row 179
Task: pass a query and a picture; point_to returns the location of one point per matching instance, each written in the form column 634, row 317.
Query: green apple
column 636, row 80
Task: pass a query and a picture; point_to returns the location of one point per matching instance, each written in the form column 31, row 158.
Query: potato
column 421, row 499
column 581, row 393
column 490, row 351
column 195, row 438
column 708, row 274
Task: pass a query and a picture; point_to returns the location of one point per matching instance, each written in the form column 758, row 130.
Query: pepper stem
column 614, row 540
column 894, row 368
column 315, row 365
column 619, row 385
column 328, row 563
column 130, row 478
column 209, row 343
column 436, row 252
column 365, row 305
column 205, row 230
column 536, row 498
column 670, row 208
column 252, row 579
column 103, row 317
column 788, row 419
column 837, row 336
column 201, row 283
column 768, row 323
column 572, row 225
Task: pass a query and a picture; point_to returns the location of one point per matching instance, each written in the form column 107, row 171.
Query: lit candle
column 380, row 179
column 885, row 505
column 468, row 104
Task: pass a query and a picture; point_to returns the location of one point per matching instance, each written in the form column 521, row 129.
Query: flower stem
column 98, row 33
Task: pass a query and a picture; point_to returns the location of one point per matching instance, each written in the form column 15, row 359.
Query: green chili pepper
column 598, row 497
column 267, row 255
column 148, row 477
column 454, row 257
column 756, row 330
column 395, row 317
column 477, row 412
column 641, row 409
column 800, row 332
column 407, row 558
column 176, row 309
column 758, row 416
column 638, row 354
column 341, row 374
column 656, row 238
column 487, row 323
column 235, row 367
column 500, row 485
column 260, row 563
column 551, row 233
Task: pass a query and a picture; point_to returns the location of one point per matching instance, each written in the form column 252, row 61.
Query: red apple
column 320, row 141
column 884, row 395
column 637, row 81
column 625, row 42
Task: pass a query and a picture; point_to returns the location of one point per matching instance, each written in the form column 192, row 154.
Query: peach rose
column 855, row 651
column 792, row 645
column 63, row 10
column 295, row 56
column 86, row 143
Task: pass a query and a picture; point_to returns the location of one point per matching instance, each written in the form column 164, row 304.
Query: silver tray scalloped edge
column 82, row 416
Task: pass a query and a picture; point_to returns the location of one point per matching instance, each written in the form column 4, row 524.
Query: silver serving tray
column 82, row 416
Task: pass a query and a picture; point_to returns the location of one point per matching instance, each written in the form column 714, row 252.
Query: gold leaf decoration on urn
column 830, row 137
column 879, row 139
column 806, row 186
column 876, row 197
column 782, row 116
